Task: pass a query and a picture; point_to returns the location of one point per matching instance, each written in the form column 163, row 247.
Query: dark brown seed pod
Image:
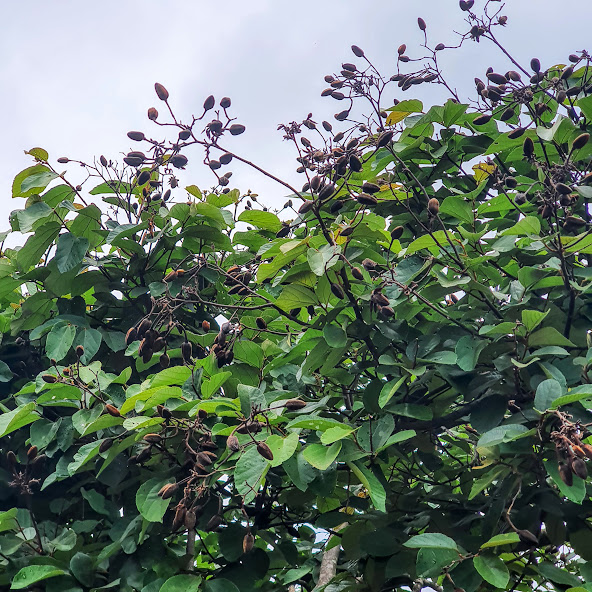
column 153, row 438
column 357, row 273
column 355, row 164
column 49, row 378
column 204, row 459
column 567, row 73
column 433, row 206
column 143, row 178
column 79, row 351
column 507, row 114
column 566, row 474
column 144, row 454
column 563, row 188
column 233, row 443
column 357, row 51
column 143, row 347
column 294, row 404
column 516, row 133
column 369, row 264
column 342, row 115
column 248, row 542
column 305, row 207
column 163, row 411
column 578, row 450
column 213, row 523
column 32, row 452
column 371, row 188
column 184, row 134
column 147, row 355
column 190, row 519
column 253, row 427
column 327, row 191
column 535, row 65
column 336, row 206
column 167, row 491
column 103, row 160
column 580, row 141
column 527, row 537
column 179, row 161
column 136, row 136
column 11, row 458
column 510, row 182
column 159, row 344
column 264, row 450
column 497, row 78
column 528, row 147
column 482, row 119
column 260, row 322
column 397, row 232
column 164, row 360
column 106, row 444
column 439, row 47
column 37, row 462
column 209, row 103
column 236, row 129
column 186, row 351
column 152, row 114
column 161, row 92
column 65, row 159
column 387, row 312
column 380, row 299
column 366, row 199
column 112, row 410
column 225, row 102
column 421, row 24
column 520, row 199
column 337, row 291
column 384, row 139
column 179, row 518
column 347, row 231
column 579, row 468
column 587, row 450
column 131, row 335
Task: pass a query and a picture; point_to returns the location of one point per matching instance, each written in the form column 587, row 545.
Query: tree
column 198, row 391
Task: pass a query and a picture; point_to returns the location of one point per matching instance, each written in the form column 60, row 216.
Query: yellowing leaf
column 483, row 170
column 396, row 116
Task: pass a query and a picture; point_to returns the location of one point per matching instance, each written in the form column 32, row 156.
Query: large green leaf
column 70, row 251
column 492, row 569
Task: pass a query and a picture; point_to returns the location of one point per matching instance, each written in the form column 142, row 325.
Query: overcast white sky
column 77, row 76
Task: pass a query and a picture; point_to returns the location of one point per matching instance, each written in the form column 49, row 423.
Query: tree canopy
column 384, row 384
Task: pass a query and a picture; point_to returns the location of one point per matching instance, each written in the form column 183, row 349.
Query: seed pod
column 152, row 114
column 112, row 410
column 520, row 198
column 421, row 24
column 368, row 264
column 384, row 139
column 580, row 141
column 236, row 129
column 342, row 115
column 516, row 133
column 579, row 468
column 143, row 455
column 179, row 518
column 327, row 191
column 433, row 206
column 204, row 459
column 380, row 299
column 106, row 444
column 163, row 411
column 248, row 542
column 578, row 450
column 184, row 134
column 283, row 231
column 337, row 291
column 357, row 273
column 535, row 65
column 305, row 207
column 536, row 78
column 11, row 458
column 528, row 147
column 371, row 188
column 264, row 450
column 153, row 438
column 567, row 73
column 49, row 378
column 510, row 182
column 79, row 351
column 225, row 102
column 337, row 95
column 497, row 78
column 159, row 343
column 179, row 161
column 439, row 47
column 566, row 474
column 387, row 312
column 226, row 158
column 164, row 361
column 161, row 92
column 563, row 188
column 397, row 232
column 587, row 450
column 213, row 523
column 63, row 159
column 507, row 114
column 366, row 199
column 233, row 443
column 190, row 519
column 32, row 452
column 186, row 351
column 357, row 51
column 103, row 160
column 294, row 404
column 261, row 324
column 209, row 103
column 482, row 119
column 143, row 178
column 336, row 206
column 167, row 491
column 338, row 136
column 527, row 537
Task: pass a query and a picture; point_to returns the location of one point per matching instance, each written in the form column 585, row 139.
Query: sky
column 77, row 76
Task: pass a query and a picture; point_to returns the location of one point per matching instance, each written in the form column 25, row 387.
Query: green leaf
column 59, row 341
column 336, row 433
column 5, row 372
column 549, row 336
column 486, row 480
column 372, row 484
column 323, row 259
column 249, row 352
column 149, row 504
column 282, row 448
column 249, row 473
column 32, row 180
column 508, row 538
column 576, row 492
column 334, row 336
column 220, row 585
column 183, row 583
column 546, row 393
column 558, row 575
column 260, row 219
column 321, row 457
column 467, row 351
column 90, row 339
column 431, row 540
column 388, row 391
column 576, row 394
column 70, row 251
column 19, row 417
column 492, row 569
column 31, row 252
column 311, row 422
column 531, row 319
column 296, row 296
column 431, row 561
column 30, row 574
column 526, row 226
column 457, row 207
column 501, row 434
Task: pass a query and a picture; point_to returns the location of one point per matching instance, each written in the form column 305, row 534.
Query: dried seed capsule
column 357, row 51
column 510, row 182
column 32, row 452
column 587, row 450
column 63, row 159
column 294, row 404
column 225, row 102
column 421, row 24
column 143, row 178
column 371, row 188
column 401, row 49
column 337, row 291
column 315, row 183
column 516, row 133
column 11, row 458
column 342, row 115
column 527, row 537
column 163, row 411
column 79, row 351
column 397, row 232
column 497, row 78
column 106, row 444
column 305, row 207
column 433, row 206
column 248, row 542
column 153, row 438
column 112, row 410
column 366, row 199
column 179, row 518
column 179, row 161
column 226, row 158
column 566, row 474
column 327, row 191
column 171, row 276
column 152, row 114
column 580, row 141
column 213, row 523
column 167, row 491
column 209, row 103
column 380, row 299
column 190, row 519
column 236, row 129
column 204, row 459
column 563, row 188
column 336, row 206
column 579, row 468
column 159, row 343
column 387, row 312
column 528, row 147
column 49, row 378
column 161, row 92
column 439, row 47
column 384, row 139
column 482, row 119
column 164, row 361
column 186, row 351
column 507, row 114
column 357, row 273
column 535, row 65
column 355, row 164
column 261, row 324
column 184, row 134
column 233, row 443
column 264, row 450
column 283, row 231
column 369, row 264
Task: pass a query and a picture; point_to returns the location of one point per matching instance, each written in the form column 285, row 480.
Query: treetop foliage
column 198, row 390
